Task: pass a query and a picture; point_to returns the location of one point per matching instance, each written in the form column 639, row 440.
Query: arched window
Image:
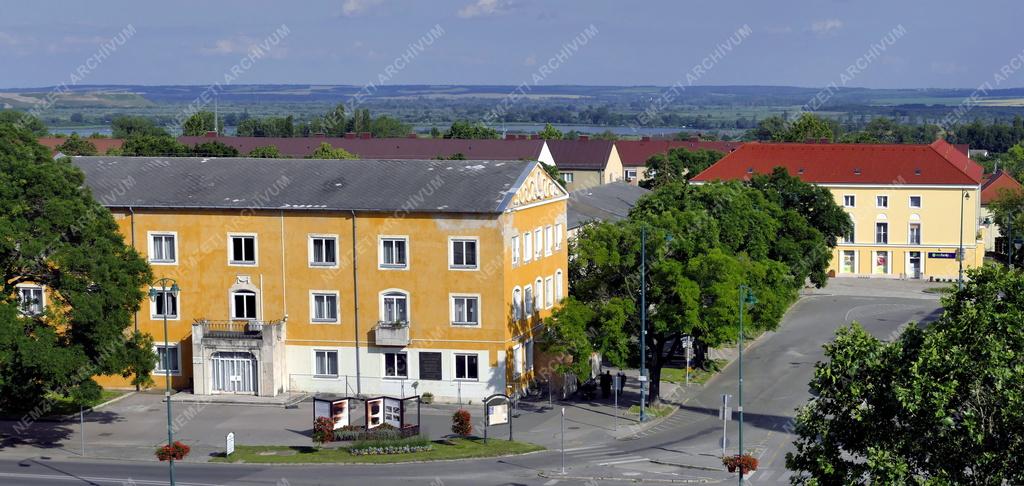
column 527, row 300
column 538, row 294
column 517, row 303
column 243, row 304
column 394, row 306
column 559, row 289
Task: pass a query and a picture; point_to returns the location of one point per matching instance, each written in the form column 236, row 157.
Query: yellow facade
column 611, row 172
column 287, row 283
column 921, row 233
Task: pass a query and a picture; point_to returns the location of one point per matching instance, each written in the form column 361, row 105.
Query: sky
column 866, row 43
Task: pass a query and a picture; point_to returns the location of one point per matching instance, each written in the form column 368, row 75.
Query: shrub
column 427, row 398
column 173, row 452
column 462, row 423
column 417, row 443
column 746, row 463
column 358, row 432
column 323, row 430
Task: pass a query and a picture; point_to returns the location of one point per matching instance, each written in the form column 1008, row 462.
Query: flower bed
column 377, row 451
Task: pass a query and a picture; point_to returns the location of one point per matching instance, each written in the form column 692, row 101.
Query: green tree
column 808, row 127
column 940, row 404
column 553, row 171
column 126, row 126
column 154, row 146
column 387, row 127
column 200, row 123
column 267, row 152
column 53, row 233
column 75, row 145
column 770, row 128
column 678, row 165
column 326, row 151
column 1008, row 213
column 605, row 135
column 214, row 149
column 24, row 120
column 466, row 130
column 550, row 133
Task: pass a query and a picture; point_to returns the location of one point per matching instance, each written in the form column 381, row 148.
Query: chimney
column 350, row 134
column 645, row 138
column 365, row 135
column 211, row 134
column 412, row 135
column 319, row 135
column 584, row 138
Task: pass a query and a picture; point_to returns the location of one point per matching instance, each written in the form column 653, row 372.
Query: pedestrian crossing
column 680, row 418
column 601, row 455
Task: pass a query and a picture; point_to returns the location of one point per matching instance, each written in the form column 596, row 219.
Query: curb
column 112, row 400
column 624, row 480
column 686, row 466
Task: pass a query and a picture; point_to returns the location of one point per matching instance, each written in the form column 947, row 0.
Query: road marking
column 586, row 455
column 551, row 483
column 79, row 479
column 584, row 448
column 624, row 461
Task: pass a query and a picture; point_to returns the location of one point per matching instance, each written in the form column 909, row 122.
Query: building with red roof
column 103, row 145
column 635, row 153
column 586, row 163
column 994, row 186
column 906, row 201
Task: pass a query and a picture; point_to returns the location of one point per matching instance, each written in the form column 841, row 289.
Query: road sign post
column 724, row 413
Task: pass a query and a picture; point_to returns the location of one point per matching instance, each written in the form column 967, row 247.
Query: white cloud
column 484, row 7
column 242, row 45
column 826, row 26
column 355, row 7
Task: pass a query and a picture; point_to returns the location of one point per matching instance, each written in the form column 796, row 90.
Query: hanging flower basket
column 174, row 452
column 745, row 463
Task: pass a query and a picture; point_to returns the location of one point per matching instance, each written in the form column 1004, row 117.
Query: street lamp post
column 746, row 297
column 643, row 321
column 162, row 294
column 960, row 255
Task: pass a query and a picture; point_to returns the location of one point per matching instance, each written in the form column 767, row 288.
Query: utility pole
column 746, row 297
column 960, row 255
column 643, row 321
column 162, row 294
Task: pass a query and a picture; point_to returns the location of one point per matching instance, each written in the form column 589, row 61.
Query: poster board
column 374, row 412
column 340, row 413
column 497, row 414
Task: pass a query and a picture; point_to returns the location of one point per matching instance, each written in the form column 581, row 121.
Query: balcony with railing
column 391, row 333
column 235, row 329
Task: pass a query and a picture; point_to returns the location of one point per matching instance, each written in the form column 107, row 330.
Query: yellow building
column 912, row 206
column 586, row 163
column 356, row 276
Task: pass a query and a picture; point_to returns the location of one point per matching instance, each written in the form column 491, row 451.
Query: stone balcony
column 391, row 333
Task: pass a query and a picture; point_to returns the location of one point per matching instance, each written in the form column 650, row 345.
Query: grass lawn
column 939, row 290
column 651, row 412
column 454, row 449
column 63, row 405
column 697, row 376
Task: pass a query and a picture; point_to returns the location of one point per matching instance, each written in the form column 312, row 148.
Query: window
column 915, row 201
column 567, row 177
column 515, row 250
column 527, row 246
column 558, row 236
column 167, row 359
column 538, row 294
column 915, row 234
column 325, row 307
column 243, row 305
column 466, row 367
column 326, row 363
column 549, row 292
column 881, row 262
column 849, row 201
column 30, row 299
column 465, row 310
column 630, row 174
column 549, row 240
column 517, row 359
column 243, row 250
column 538, row 243
column 529, row 354
column 395, row 365
column 163, row 248
column 559, row 289
column 881, row 232
column 848, row 237
column 394, row 252
column 517, row 303
column 882, row 201
column 464, row 254
column 849, row 261
column 165, row 304
column 323, row 251
column 395, row 307
column 527, row 300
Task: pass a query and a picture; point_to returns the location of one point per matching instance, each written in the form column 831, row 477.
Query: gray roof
column 449, row 186
column 607, row 202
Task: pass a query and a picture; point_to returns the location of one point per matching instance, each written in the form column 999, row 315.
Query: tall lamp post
column 643, row 321
column 162, row 294
column 746, row 298
column 960, row 255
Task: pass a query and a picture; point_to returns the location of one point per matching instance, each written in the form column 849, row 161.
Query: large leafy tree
column 677, row 165
column 140, row 145
column 1008, row 213
column 550, row 133
column 53, row 233
column 200, row 123
column 464, row 129
column 943, row 404
column 326, row 151
column 127, row 126
column 75, row 145
column 215, row 148
column 807, row 127
column 24, row 120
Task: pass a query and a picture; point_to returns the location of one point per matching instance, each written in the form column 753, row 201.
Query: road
column 777, row 369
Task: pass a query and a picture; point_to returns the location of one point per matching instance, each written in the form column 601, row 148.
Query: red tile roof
column 387, row 148
column 102, row 144
column 581, row 154
column 935, row 163
column 996, row 183
column 634, row 153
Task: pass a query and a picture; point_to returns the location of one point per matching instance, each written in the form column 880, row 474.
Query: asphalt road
column 776, row 372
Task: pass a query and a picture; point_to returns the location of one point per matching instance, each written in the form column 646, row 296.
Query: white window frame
column 888, row 260
column 517, row 360
column 408, row 303
column 42, row 299
column 177, row 304
column 528, row 355
column 381, row 252
column 451, row 253
column 854, row 199
column 567, row 177
column 910, row 201
column 234, row 311
column 886, row 242
column 549, row 292
column 630, row 174
column 558, row 236
column 528, row 300
column 517, row 303
column 920, row 232
column 559, row 285
column 157, row 370
column 856, row 261
column 878, row 199
column 384, row 365
column 255, row 249
column 312, row 252
column 549, row 239
column 527, row 246
column 455, row 366
column 451, row 306
column 538, row 243
column 337, row 364
column 151, row 246
column 538, row 294
column 515, row 249
column 313, row 294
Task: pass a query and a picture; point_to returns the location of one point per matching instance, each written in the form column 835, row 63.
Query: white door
column 234, row 373
column 914, row 264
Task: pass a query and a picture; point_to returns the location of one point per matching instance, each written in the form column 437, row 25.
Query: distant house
column 635, row 153
column 102, row 144
column 607, row 202
column 409, row 148
column 586, row 163
column 992, row 186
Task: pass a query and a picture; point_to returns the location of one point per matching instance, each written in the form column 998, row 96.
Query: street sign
column 687, row 342
column 942, row 254
column 642, row 378
column 230, row 446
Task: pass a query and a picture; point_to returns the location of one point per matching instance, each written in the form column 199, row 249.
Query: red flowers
column 174, row 452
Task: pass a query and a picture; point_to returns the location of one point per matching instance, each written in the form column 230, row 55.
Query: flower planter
column 174, row 452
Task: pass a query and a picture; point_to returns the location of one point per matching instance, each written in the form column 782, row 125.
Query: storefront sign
column 942, row 254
